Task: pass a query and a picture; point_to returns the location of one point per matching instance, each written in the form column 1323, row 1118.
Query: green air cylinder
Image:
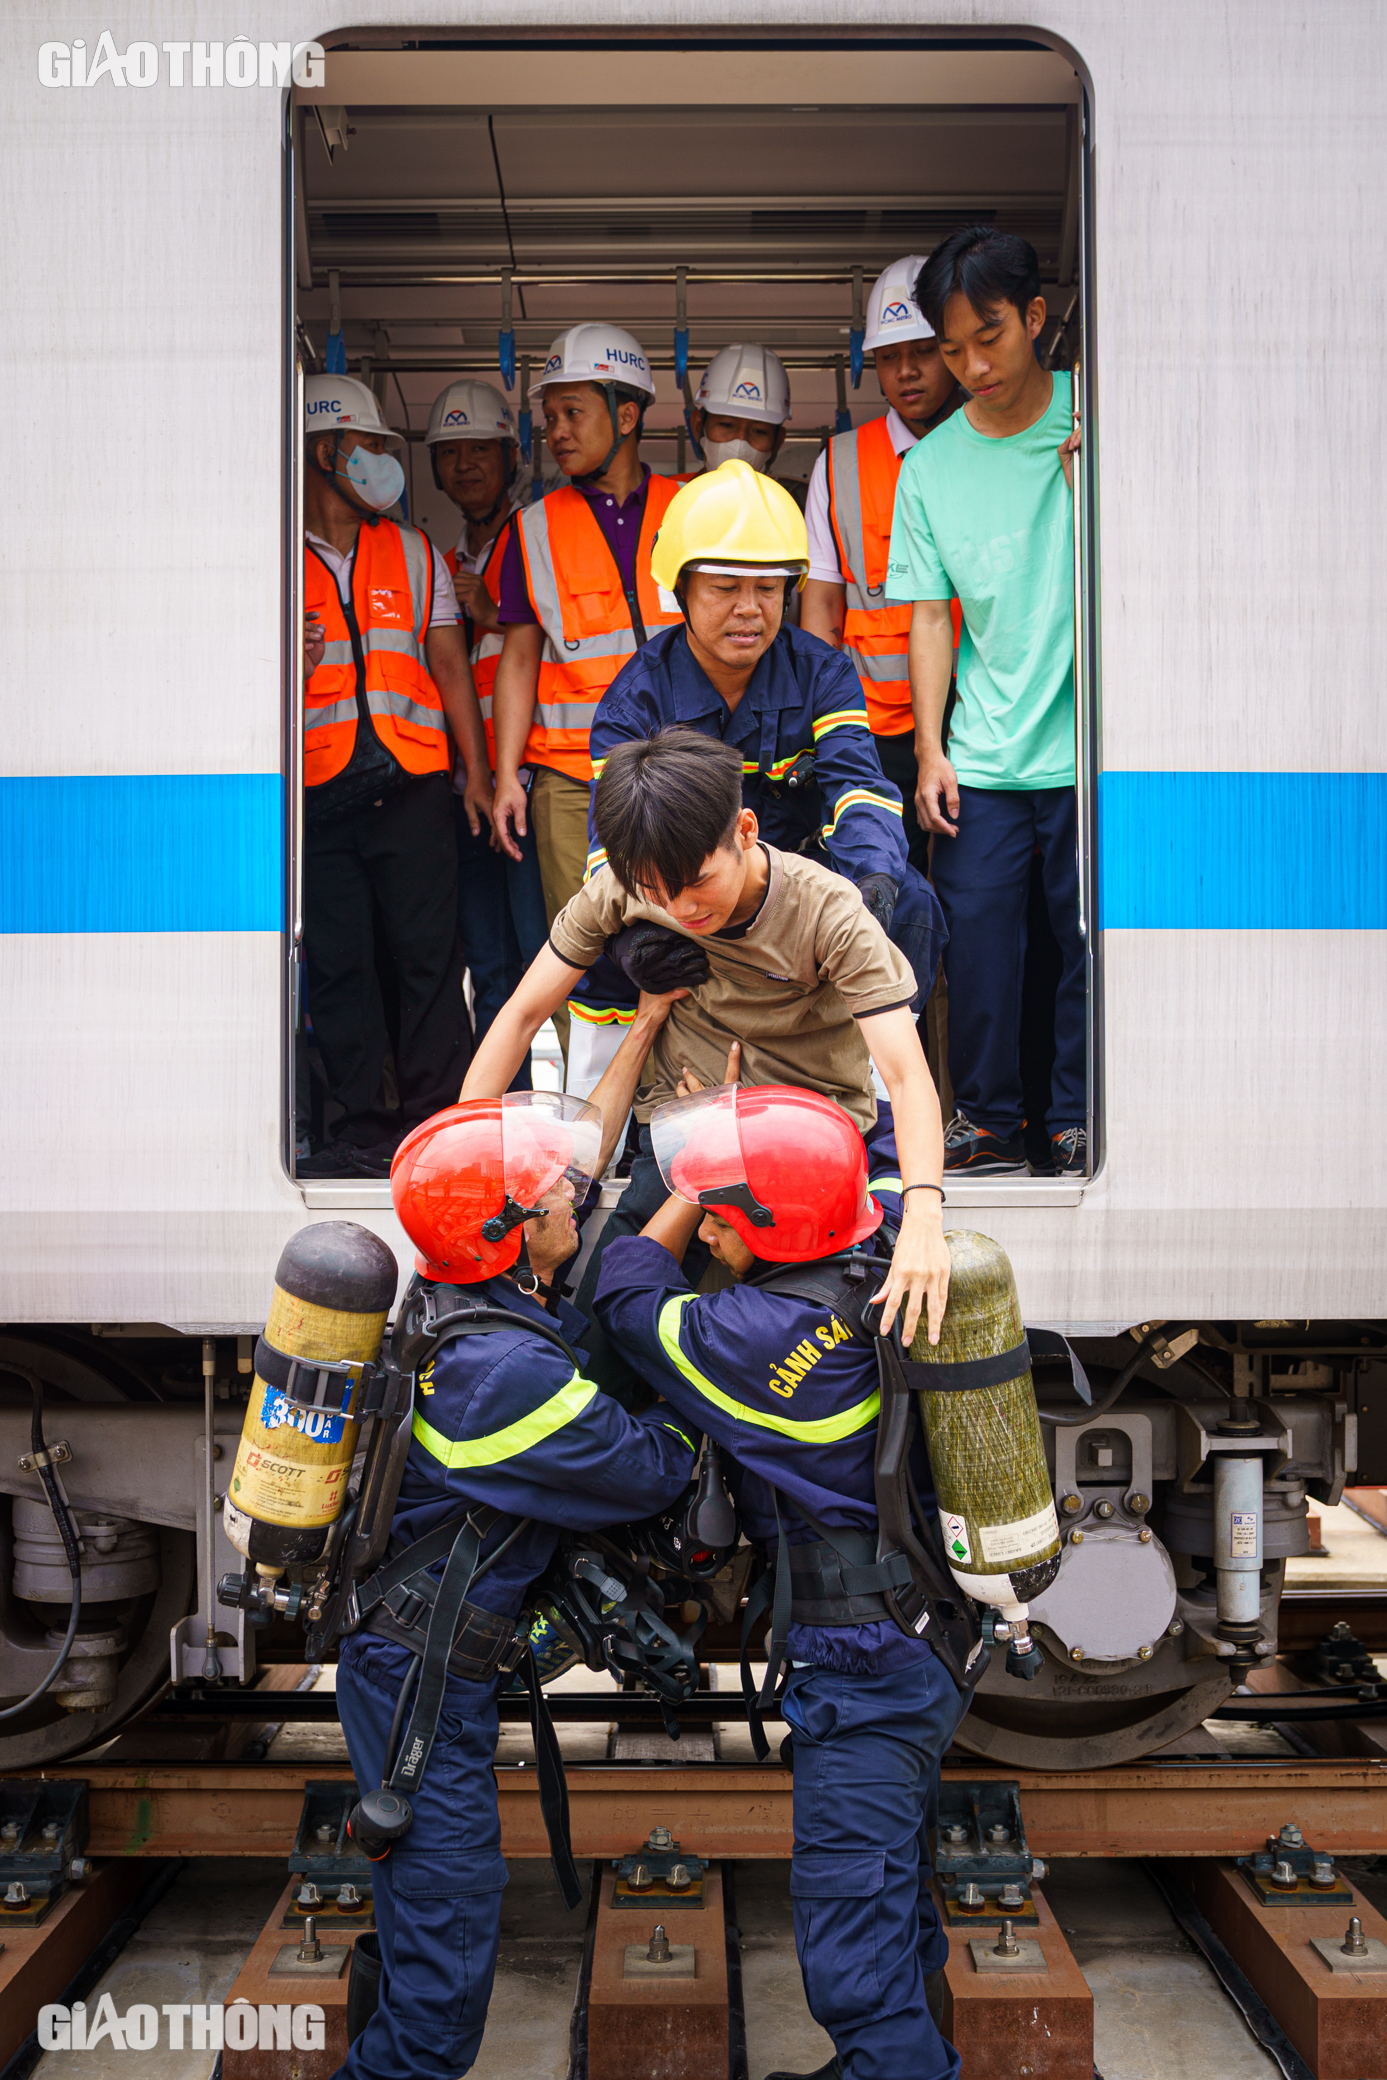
column 996, row 1505
column 334, row 1285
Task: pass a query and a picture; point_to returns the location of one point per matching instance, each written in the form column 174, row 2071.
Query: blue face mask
column 377, row 480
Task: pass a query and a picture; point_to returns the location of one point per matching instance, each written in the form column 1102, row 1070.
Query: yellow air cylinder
column 334, row 1284
column 996, row 1505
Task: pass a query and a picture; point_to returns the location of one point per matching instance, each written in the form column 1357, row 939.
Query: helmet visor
column 548, row 1137
column 699, row 1151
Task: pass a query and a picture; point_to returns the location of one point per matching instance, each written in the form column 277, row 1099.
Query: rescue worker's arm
column 822, row 610
column 931, row 667
column 512, row 712
column 546, row 983
column 445, row 653
column 617, row 1087
column 919, row 1275
column 864, row 828
column 572, row 1455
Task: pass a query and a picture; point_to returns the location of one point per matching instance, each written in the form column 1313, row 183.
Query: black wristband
column 925, row 1188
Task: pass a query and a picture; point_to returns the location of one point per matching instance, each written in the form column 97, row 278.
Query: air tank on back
column 334, row 1285
column 996, row 1506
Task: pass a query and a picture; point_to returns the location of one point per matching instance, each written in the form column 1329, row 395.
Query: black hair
column 664, row 804
column 986, row 266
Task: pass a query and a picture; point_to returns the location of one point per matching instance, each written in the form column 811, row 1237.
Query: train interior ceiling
column 409, row 217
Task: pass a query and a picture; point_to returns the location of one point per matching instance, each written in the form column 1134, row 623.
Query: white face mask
column 377, row 480
column 716, row 452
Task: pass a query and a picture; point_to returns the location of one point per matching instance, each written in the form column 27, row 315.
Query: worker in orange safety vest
column 387, row 692
column 577, row 598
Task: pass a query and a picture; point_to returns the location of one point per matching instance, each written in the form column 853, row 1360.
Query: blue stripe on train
column 1243, row 851
column 148, row 852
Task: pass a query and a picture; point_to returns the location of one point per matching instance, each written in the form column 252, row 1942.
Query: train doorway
column 454, row 208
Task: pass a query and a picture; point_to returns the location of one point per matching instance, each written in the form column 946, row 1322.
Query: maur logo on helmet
column 456, row 418
column 554, row 361
column 896, row 313
column 747, row 389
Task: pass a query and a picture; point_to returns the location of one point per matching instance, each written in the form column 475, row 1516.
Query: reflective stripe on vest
column 576, row 591
column 863, row 468
column 824, row 1430
column 517, row 1437
column 486, row 651
column 392, row 598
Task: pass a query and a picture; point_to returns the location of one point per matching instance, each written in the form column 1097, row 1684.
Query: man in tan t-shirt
column 757, row 946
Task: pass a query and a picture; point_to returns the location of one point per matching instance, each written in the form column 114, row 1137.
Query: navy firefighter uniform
column 791, row 1396
column 503, row 1420
column 810, row 771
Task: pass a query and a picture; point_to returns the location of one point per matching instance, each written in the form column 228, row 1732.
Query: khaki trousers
column 559, row 815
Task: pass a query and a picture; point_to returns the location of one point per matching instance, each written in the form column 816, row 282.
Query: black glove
column 655, row 958
column 878, row 892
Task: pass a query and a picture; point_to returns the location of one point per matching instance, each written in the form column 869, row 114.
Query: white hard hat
column 746, row 383
column 596, row 354
column 330, row 402
column 892, row 312
column 470, row 411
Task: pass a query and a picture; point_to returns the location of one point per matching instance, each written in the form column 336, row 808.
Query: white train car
column 185, row 218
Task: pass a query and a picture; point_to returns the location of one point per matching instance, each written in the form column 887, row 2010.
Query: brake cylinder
column 996, row 1505
column 334, row 1285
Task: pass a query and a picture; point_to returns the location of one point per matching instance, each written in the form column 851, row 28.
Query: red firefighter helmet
column 786, row 1168
column 465, row 1181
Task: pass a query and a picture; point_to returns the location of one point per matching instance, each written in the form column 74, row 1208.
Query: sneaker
column 979, row 1151
column 344, row 1159
column 1069, row 1148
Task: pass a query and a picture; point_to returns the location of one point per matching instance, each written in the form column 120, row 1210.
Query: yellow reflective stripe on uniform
column 781, row 766
column 886, row 1184
column 678, row 1433
column 841, row 718
column 594, row 861
column 751, row 765
column 822, row 1430
column 551, row 1415
column 860, row 798
column 597, row 766
column 610, row 1016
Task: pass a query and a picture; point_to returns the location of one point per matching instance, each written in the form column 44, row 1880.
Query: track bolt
column 955, row 1832
column 1071, row 1504
column 659, row 1951
column 1012, row 1897
column 659, row 1839
column 349, row 1898
column 1353, row 1944
column 1008, row 1946
column 52, row 1829
column 997, row 1834
column 1291, row 1837
column 17, row 1895
column 1076, row 1653
column 309, row 1895
column 310, row 1949
column 678, row 1880
column 1145, row 1653
column 970, row 1897
column 640, row 1879
column 1284, row 1874
column 1322, row 1873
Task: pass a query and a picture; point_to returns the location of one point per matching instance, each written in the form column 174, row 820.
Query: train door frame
column 1087, row 590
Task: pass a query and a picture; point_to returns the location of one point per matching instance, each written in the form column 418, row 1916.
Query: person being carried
column 772, row 949
column 780, row 1371
column 732, row 549
column 507, row 1428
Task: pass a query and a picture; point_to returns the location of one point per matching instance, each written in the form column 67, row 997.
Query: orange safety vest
column 863, row 467
column 392, row 600
column 576, row 591
column 485, row 653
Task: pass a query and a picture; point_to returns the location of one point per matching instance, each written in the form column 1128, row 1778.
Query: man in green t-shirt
column 984, row 510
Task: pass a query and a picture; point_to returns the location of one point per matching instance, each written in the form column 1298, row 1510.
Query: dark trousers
column 982, row 878
column 901, row 767
column 402, row 852
column 501, row 918
column 438, row 1892
column 867, row 1751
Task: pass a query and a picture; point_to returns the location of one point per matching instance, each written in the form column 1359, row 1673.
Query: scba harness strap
column 432, row 1615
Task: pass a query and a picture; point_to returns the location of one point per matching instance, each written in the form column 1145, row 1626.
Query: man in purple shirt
column 577, row 598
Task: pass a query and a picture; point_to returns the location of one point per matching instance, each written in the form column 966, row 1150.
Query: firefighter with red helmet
column 510, row 1445
column 779, row 1370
